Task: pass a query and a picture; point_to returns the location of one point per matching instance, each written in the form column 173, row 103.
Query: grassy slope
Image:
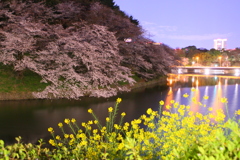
column 10, row 83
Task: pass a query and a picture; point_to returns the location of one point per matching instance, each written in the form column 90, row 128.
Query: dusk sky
column 182, row 23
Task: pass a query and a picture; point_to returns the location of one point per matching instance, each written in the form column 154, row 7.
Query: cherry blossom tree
column 77, row 61
column 78, row 51
column 146, row 60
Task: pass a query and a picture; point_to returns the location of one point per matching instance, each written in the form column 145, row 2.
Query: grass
column 10, row 82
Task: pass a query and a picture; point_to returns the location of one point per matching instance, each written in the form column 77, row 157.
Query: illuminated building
column 220, row 44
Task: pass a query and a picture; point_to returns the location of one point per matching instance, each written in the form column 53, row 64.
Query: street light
column 197, row 60
column 220, row 58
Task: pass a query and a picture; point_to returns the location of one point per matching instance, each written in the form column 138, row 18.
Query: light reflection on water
column 213, row 86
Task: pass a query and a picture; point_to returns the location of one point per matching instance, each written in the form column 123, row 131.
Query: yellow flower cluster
column 162, row 136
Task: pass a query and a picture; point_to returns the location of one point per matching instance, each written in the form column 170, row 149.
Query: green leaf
column 1, row 143
column 211, row 158
column 230, row 146
column 201, row 150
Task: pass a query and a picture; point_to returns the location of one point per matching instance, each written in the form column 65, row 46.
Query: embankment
column 28, row 95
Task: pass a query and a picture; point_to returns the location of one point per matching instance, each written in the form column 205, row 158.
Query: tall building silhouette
column 219, row 44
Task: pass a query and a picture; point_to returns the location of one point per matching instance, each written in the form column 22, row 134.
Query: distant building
column 219, row 44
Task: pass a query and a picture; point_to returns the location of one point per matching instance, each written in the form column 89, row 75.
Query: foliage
column 204, row 58
column 234, row 55
column 190, row 51
column 214, row 52
column 23, row 151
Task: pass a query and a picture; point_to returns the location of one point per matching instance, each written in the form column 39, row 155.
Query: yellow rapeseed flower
column 71, row 136
column 151, row 125
column 67, row 121
column 73, row 120
column 95, row 131
column 50, row 129
column 97, row 137
column 224, row 100
column 52, row 142
column 154, row 113
column 172, row 101
column 90, row 122
column 58, row 137
column 194, row 99
column 110, row 109
column 210, row 109
column 237, row 112
column 120, row 138
column 143, row 116
column 116, row 126
column 220, row 115
column 205, row 97
column 125, row 128
column 83, row 143
column 66, row 136
column 199, row 115
column 90, row 110
column 181, row 111
column 149, row 111
column 119, row 100
column 161, row 102
column 95, row 122
column 60, row 125
column 168, row 107
column 176, row 105
column 166, row 113
column 138, row 121
column 185, row 95
column 120, row 146
column 211, row 115
column 107, row 119
column 190, row 113
column 193, row 89
column 123, row 114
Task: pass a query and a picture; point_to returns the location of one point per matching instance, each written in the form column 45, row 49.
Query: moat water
column 30, row 119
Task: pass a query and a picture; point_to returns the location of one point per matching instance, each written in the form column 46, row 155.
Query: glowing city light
column 237, row 72
column 207, row 71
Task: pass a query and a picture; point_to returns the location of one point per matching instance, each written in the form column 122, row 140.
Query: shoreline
column 14, row 96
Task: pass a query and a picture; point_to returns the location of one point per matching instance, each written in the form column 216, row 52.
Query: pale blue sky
column 181, row 23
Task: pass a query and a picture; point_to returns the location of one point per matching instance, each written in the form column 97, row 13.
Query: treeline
column 202, row 56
